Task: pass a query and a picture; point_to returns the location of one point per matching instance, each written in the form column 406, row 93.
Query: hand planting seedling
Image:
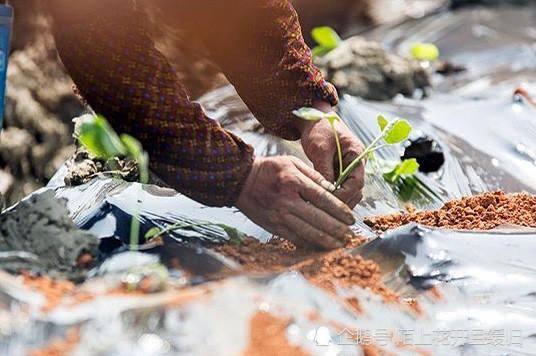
column 391, row 132
column 399, row 174
column 327, row 39
column 99, row 138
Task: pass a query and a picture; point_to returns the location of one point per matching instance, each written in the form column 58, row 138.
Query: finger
column 324, row 200
column 315, row 176
column 351, row 190
column 301, row 230
column 323, row 161
column 320, row 219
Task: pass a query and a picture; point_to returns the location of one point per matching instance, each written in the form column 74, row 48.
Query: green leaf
column 408, row 166
column 132, row 145
column 382, row 122
column 399, row 132
column 424, row 51
column 235, row 235
column 310, row 114
column 100, row 139
column 326, row 37
column 332, row 117
column 152, row 232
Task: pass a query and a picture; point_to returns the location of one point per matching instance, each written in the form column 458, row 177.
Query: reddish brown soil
column 521, row 91
column 275, row 255
column 267, row 336
column 324, row 269
column 59, row 347
column 414, row 305
column 55, row 290
column 348, row 270
column 480, row 212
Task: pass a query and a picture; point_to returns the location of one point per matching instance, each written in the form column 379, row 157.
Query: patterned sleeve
column 261, row 50
column 116, row 68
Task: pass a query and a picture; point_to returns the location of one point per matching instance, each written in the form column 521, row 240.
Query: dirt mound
column 480, row 212
column 41, row 227
column 39, row 106
column 275, row 255
column 348, row 270
column 324, row 269
column 363, row 68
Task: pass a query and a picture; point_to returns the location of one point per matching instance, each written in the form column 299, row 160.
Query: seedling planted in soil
column 399, row 175
column 99, row 138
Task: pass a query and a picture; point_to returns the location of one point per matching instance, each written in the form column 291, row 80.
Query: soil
column 324, row 269
column 347, row 270
column 363, row 68
column 59, row 347
column 41, row 226
column 480, row 212
column 39, row 106
column 83, row 166
column 55, row 290
column 268, row 337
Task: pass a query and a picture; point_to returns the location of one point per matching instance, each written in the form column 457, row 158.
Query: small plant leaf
column 326, row 37
column 424, row 51
column 100, row 139
column 407, row 166
column 382, row 122
column 235, row 235
column 152, row 232
column 310, row 114
column 132, row 145
column 399, row 132
column 332, row 117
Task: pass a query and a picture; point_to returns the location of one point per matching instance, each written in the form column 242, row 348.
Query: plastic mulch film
column 475, row 290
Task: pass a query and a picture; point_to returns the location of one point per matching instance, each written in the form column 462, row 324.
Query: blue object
column 6, row 21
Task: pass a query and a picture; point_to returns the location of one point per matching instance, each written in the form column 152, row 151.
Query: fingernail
column 327, row 186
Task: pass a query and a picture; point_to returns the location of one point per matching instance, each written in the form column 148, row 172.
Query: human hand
column 320, row 147
column 288, row 198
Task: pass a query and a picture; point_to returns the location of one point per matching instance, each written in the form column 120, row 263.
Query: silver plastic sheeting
column 487, row 280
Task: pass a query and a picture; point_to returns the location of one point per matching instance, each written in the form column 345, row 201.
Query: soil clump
column 363, row 68
column 267, row 336
column 480, row 212
column 41, row 227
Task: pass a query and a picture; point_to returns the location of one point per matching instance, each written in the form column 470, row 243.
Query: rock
column 363, row 68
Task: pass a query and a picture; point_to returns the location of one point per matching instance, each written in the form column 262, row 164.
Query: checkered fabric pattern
column 117, row 69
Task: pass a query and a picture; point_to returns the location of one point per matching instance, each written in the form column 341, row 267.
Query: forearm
column 262, row 52
column 122, row 76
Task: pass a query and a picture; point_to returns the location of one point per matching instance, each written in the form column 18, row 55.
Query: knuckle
column 274, row 217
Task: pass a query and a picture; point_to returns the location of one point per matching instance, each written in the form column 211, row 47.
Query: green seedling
column 234, row 235
column 392, row 132
column 396, row 171
column 326, row 38
column 99, row 138
column 424, row 51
